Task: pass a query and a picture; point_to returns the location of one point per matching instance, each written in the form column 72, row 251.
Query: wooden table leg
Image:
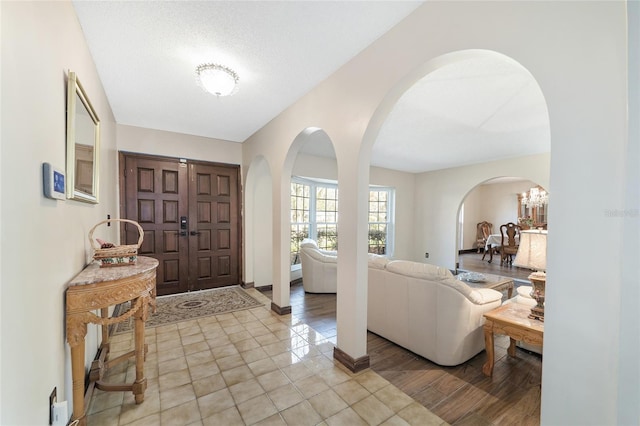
column 487, row 368
column 140, row 384
column 512, row 347
column 104, row 313
column 77, row 377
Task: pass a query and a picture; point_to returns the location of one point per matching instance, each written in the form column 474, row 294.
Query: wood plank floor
column 473, row 262
column 460, row 395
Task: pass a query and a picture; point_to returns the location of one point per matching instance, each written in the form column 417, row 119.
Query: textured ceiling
column 146, row 53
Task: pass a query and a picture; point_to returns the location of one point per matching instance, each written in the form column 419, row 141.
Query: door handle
column 195, row 233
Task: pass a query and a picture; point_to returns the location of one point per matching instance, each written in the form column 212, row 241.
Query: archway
column 437, row 191
column 282, row 220
column 456, row 155
column 495, row 201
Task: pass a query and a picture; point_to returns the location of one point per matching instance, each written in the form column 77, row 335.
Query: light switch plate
column 60, row 415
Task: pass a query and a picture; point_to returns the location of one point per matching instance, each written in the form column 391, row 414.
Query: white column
column 281, row 220
column 351, row 302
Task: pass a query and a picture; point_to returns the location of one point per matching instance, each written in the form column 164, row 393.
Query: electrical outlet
column 426, row 255
column 53, row 398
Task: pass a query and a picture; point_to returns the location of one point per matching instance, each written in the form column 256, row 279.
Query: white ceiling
column 146, row 53
column 471, row 111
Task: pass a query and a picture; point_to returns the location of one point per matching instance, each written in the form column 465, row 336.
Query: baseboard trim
column 473, row 250
column 355, row 365
column 270, row 286
column 265, row 288
column 247, row 285
column 280, row 310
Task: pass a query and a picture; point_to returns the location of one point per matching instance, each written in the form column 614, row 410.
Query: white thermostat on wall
column 53, row 182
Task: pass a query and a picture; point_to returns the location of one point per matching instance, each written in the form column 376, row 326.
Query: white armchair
column 319, row 268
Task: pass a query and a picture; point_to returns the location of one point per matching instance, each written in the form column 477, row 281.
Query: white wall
column 262, row 227
column 629, row 384
column 177, row 145
column 404, row 184
column 44, row 242
column 313, row 166
column 496, row 203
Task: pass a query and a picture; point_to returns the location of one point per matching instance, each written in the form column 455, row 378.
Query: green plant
column 328, row 239
column 526, row 221
column 377, row 241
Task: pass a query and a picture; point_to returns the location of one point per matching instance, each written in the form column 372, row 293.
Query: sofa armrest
column 482, row 296
column 328, row 252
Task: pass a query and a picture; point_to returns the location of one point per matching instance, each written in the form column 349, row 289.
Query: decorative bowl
column 472, row 277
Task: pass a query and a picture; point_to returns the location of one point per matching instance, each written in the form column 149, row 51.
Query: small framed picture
column 53, row 182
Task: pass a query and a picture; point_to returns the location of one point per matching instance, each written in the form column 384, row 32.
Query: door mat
column 181, row 307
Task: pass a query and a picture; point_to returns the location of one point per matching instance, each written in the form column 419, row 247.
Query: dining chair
column 484, row 229
column 509, row 243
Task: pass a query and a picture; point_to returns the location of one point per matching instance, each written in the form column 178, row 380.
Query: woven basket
column 118, row 255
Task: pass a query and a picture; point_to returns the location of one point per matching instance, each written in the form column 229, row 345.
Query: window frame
column 314, row 184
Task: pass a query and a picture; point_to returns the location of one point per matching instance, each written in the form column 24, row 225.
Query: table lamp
column 532, row 254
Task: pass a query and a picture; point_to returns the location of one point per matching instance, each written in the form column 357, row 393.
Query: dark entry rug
column 181, row 307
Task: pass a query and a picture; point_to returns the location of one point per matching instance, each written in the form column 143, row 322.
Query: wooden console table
column 511, row 319
column 98, row 288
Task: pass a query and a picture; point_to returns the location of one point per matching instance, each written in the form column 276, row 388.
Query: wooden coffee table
column 494, row 282
column 511, row 319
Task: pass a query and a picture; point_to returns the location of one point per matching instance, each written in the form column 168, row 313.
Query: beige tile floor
column 250, row 367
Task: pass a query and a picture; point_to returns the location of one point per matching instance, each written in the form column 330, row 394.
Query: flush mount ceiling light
column 217, row 79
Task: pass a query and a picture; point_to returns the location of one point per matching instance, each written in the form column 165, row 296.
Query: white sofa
column 421, row 307
column 319, row 268
column 425, row 309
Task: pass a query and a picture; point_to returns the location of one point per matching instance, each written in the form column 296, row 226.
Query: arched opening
column 460, row 119
column 311, row 155
column 496, row 201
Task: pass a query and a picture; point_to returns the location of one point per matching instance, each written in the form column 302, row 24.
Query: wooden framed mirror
column 536, row 212
column 83, row 144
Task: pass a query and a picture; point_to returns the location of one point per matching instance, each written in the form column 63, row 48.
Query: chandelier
column 536, row 197
column 217, row 79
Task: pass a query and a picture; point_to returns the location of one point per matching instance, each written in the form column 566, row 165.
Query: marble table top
column 93, row 273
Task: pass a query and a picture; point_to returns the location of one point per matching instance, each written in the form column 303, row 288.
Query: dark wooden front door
column 214, row 219
column 190, row 214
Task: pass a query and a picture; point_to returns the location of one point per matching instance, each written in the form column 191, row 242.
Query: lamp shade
column 532, row 251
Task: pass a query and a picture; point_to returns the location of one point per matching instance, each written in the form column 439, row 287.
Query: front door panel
column 213, row 204
column 156, row 194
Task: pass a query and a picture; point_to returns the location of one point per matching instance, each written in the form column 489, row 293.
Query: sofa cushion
column 419, row 270
column 377, row 261
column 479, row 296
